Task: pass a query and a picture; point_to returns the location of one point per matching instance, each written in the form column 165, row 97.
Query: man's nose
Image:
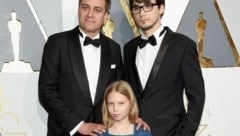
column 141, row 12
column 90, row 13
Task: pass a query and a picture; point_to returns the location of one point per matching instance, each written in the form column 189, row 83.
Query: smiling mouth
column 89, row 21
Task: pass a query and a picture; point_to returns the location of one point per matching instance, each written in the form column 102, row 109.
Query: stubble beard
column 149, row 27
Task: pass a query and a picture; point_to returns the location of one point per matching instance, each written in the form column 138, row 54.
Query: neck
column 90, row 34
column 120, row 124
column 147, row 32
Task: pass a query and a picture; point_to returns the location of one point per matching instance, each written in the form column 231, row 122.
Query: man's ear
column 106, row 17
column 162, row 9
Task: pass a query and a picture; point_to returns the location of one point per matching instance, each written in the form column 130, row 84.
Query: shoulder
column 179, row 40
column 59, row 40
column 178, row 36
column 184, row 38
column 56, row 39
column 130, row 45
column 60, row 35
column 131, row 42
column 64, row 34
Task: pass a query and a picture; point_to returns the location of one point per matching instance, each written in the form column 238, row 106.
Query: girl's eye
column 110, row 104
column 121, row 103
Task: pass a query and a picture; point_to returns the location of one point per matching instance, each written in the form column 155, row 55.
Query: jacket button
column 142, row 101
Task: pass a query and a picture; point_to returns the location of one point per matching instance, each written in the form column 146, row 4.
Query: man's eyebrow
column 98, row 7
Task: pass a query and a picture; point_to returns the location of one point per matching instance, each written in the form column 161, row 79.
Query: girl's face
column 118, row 106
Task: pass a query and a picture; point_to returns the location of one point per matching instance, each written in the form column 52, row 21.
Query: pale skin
column 148, row 22
column 119, row 106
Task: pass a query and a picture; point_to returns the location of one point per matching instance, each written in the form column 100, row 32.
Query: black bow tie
column 142, row 42
column 152, row 40
column 87, row 41
column 95, row 42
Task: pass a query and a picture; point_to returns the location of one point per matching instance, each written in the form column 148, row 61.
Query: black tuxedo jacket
column 63, row 84
column 175, row 69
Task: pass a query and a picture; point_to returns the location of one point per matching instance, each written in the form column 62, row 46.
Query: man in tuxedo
column 77, row 66
column 160, row 64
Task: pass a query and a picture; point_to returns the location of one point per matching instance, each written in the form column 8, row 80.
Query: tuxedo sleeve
column 194, row 88
column 49, row 96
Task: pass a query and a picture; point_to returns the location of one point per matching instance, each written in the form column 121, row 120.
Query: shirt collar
column 84, row 34
column 156, row 33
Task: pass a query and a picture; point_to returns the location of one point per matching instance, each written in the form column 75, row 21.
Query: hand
column 91, row 129
column 141, row 123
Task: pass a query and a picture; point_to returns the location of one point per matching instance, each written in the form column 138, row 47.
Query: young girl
column 120, row 111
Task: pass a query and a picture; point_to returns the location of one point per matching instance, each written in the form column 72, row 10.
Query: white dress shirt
column 146, row 56
column 91, row 57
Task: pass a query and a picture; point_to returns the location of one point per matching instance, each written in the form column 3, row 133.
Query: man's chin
column 144, row 28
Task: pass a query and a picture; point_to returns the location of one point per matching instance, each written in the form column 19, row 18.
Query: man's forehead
column 143, row 1
column 98, row 3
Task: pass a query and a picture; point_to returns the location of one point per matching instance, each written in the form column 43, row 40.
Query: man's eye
column 135, row 8
column 148, row 6
column 84, row 7
column 98, row 10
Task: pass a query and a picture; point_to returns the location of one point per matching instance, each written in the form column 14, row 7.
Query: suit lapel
column 157, row 63
column 133, row 65
column 105, row 67
column 76, row 56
